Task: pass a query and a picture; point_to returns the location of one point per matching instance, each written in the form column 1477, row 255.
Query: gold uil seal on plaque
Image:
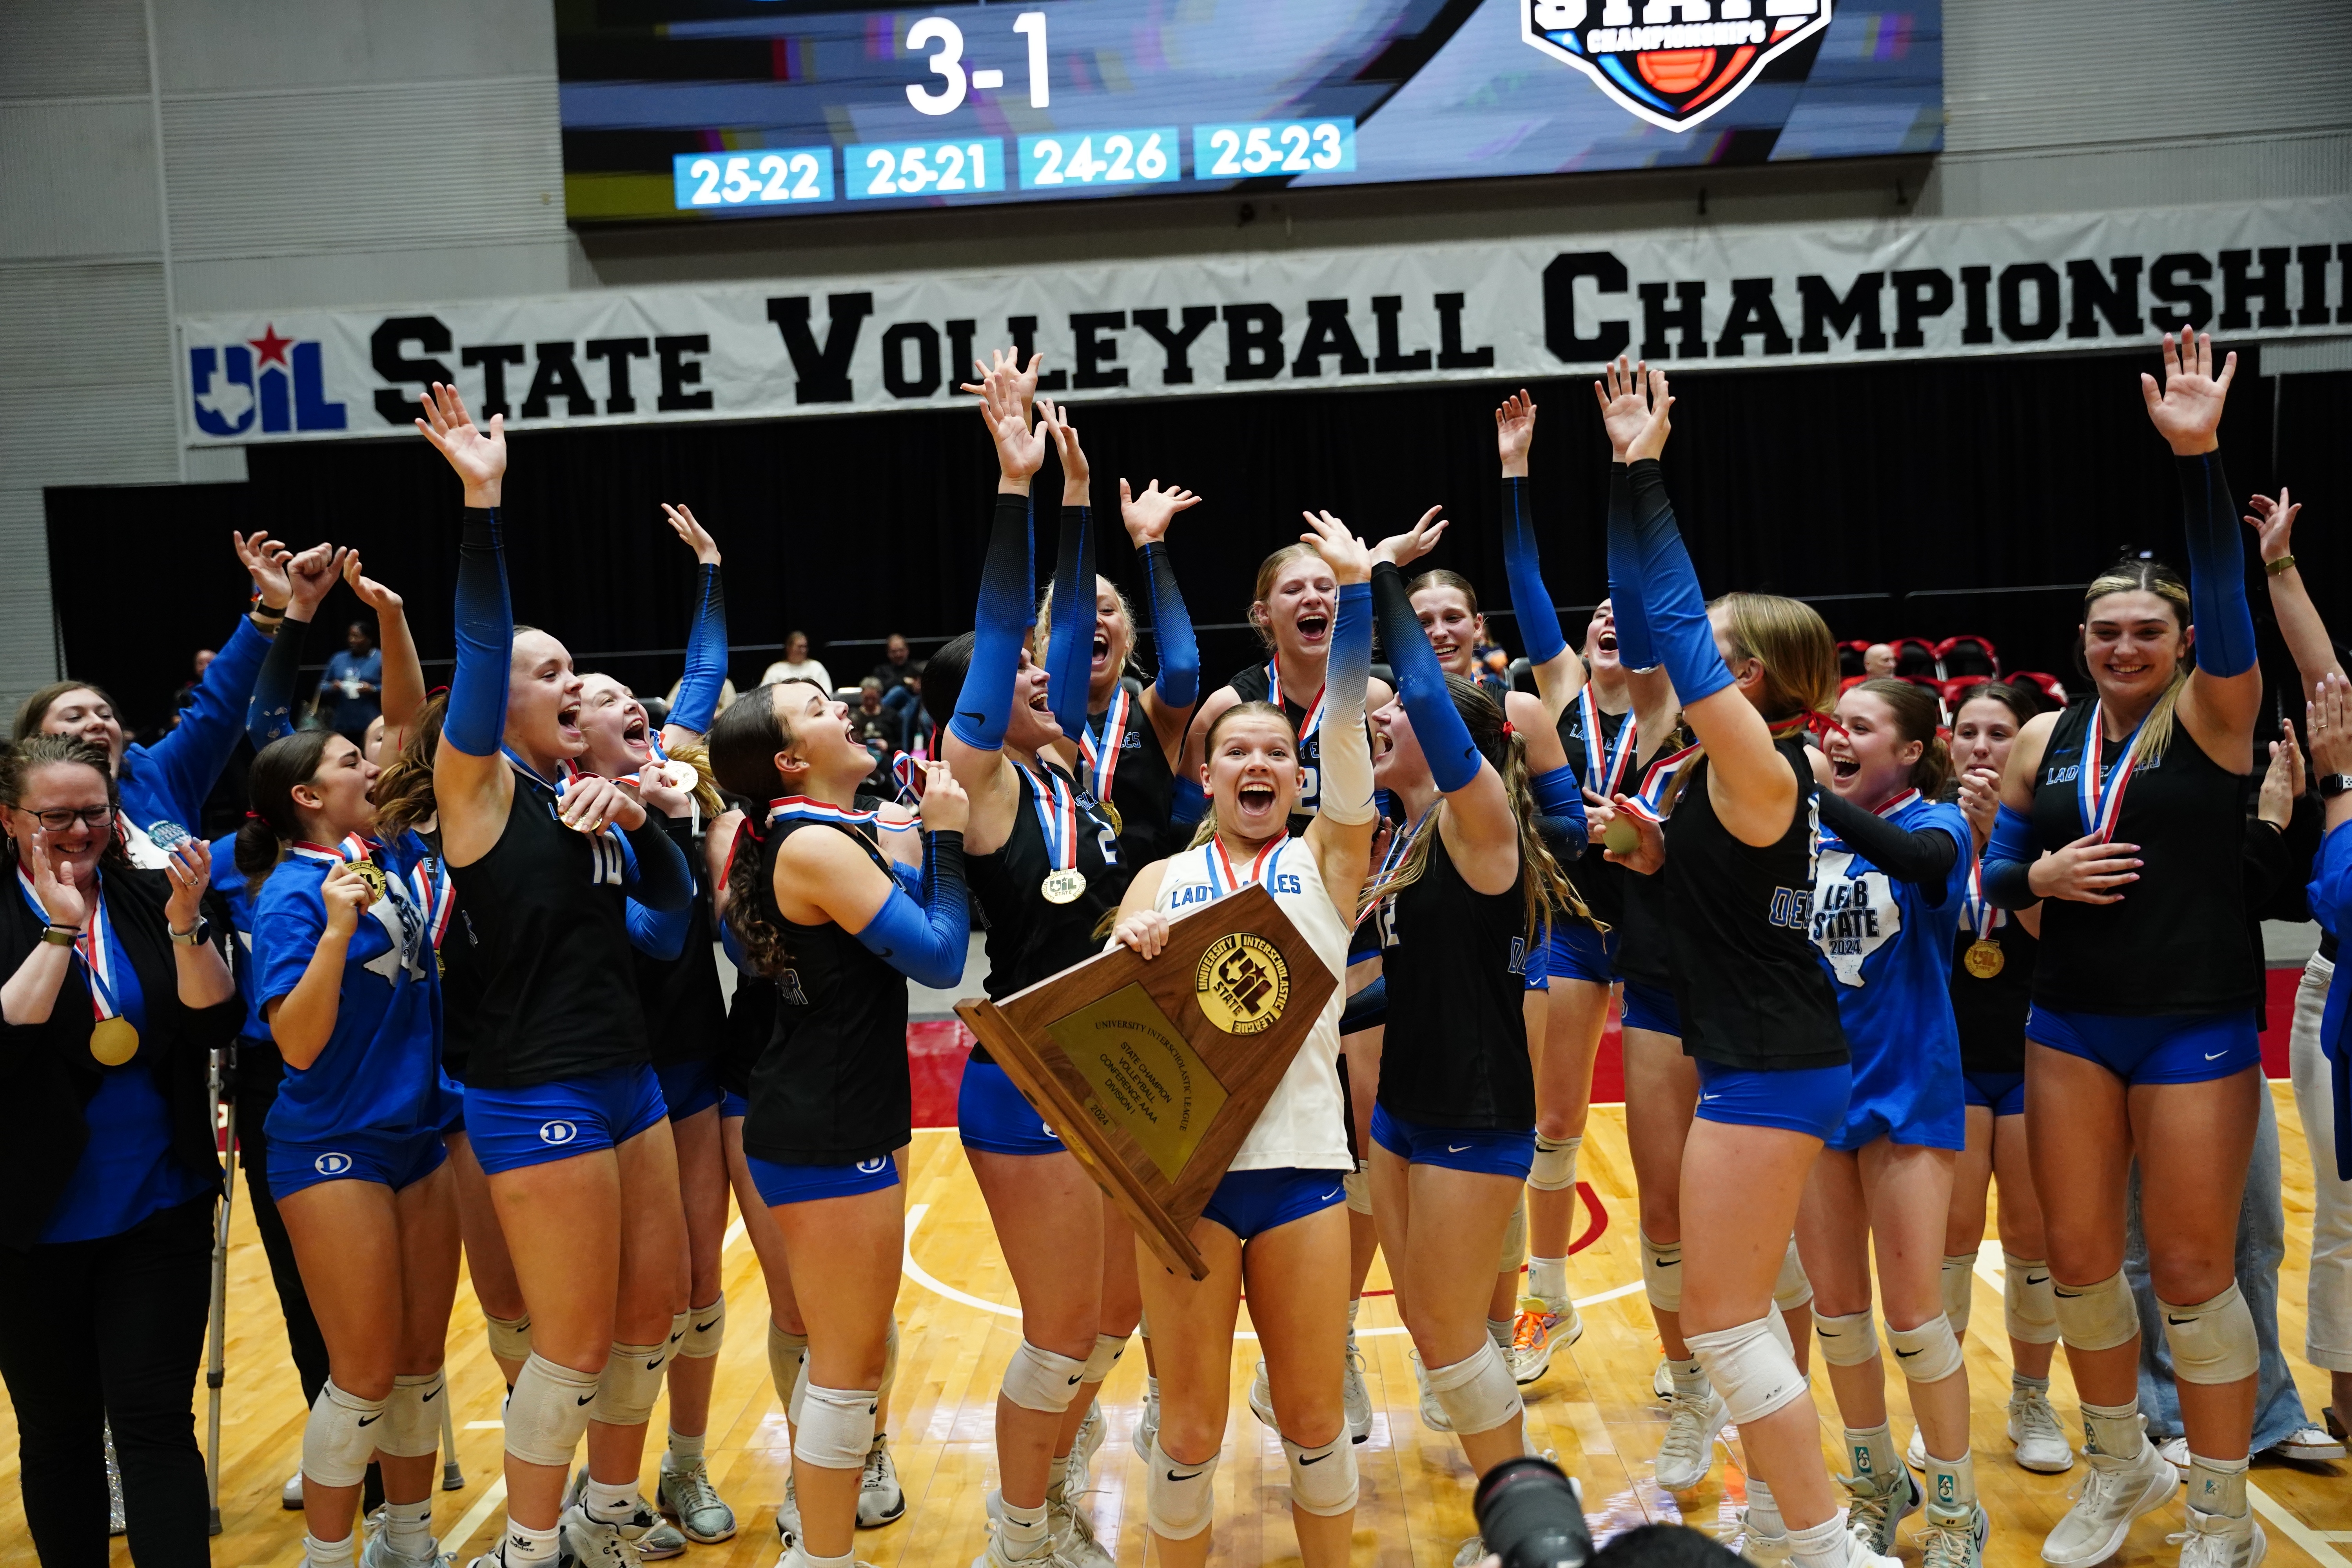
column 1242, row 983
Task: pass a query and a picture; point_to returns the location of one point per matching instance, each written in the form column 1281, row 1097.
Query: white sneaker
column 1764, row 1535
column 687, row 1495
column 289, row 1495
column 378, row 1553
column 1687, row 1452
column 2214, row 1540
column 2042, row 1444
column 1871, row 1514
column 1433, row 1413
column 1260, row 1396
column 1662, row 1382
column 585, row 1542
column 1956, row 1543
column 2112, row 1494
column 880, row 1500
column 788, row 1515
column 1089, row 1442
column 1538, row 1332
column 1146, row 1426
column 1916, row 1456
column 1074, row 1542
column 1471, row 1552
column 651, row 1537
column 992, row 1555
column 1355, row 1399
column 2175, row 1451
column 2306, row 1444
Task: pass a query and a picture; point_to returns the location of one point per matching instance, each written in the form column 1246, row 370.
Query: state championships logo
column 1242, row 984
column 1672, row 62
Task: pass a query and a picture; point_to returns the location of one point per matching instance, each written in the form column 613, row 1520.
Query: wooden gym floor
column 1594, row 1407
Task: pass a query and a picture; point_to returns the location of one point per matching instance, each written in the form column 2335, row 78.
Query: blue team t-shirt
column 1888, row 952
column 381, row 1069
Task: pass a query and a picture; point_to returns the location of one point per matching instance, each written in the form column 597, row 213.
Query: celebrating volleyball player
column 1757, row 1011
column 816, row 905
column 1274, row 1224
column 1889, row 881
column 563, row 1110
column 2125, row 815
column 1991, row 989
column 345, row 976
column 1047, row 862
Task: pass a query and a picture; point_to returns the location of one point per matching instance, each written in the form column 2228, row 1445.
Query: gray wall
column 185, row 155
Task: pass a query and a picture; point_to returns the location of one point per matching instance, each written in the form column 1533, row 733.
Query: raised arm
column 470, row 780
column 975, row 746
column 706, row 642
column 1560, row 673
column 1070, row 655
column 270, row 715
column 2298, row 618
column 403, row 672
column 1172, row 695
column 1341, row 833
column 191, row 756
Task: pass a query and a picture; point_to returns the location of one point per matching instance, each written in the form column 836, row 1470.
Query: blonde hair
column 1269, row 573
column 2136, row 575
column 1439, row 577
column 1790, row 640
column 1044, row 633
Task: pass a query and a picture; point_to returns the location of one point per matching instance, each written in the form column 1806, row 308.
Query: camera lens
column 1530, row 1515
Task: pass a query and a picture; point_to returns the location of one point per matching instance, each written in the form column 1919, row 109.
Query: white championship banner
column 1527, row 308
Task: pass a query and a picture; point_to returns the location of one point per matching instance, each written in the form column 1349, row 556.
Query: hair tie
column 1509, row 730
column 253, row 816
column 1942, row 734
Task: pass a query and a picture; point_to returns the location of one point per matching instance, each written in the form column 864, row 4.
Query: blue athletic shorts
column 688, row 1088
column 2002, row 1093
column 1251, row 1202
column 1580, row 953
column 1367, row 1009
column 1651, row 1007
column 1495, row 1151
column 1810, row 1100
column 512, row 1128
column 391, row 1161
column 2172, row 1048
column 733, row 1105
column 780, row 1184
column 1907, row 1094
column 992, row 1115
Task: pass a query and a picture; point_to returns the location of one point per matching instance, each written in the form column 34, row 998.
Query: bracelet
column 2280, row 566
column 61, row 936
column 262, row 612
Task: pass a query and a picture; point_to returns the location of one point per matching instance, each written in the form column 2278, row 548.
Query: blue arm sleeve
column 1444, row 739
column 1007, row 606
column 1069, row 653
column 2007, row 860
column 1636, row 648
column 656, row 873
column 705, row 656
column 477, row 689
column 1559, row 795
column 270, row 715
column 732, row 946
column 190, row 758
column 658, row 933
column 926, row 943
column 1187, row 803
column 1530, row 600
column 1172, row 630
column 2216, row 567
column 1678, row 626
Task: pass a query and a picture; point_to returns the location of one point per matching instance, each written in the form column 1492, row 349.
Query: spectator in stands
column 1878, row 661
column 898, row 664
column 919, row 730
column 883, row 731
column 350, row 694
column 186, row 696
column 796, row 663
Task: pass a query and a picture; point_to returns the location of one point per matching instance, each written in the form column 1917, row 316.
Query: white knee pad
column 2213, row 1342
column 1662, row 1274
column 1358, row 1187
column 510, row 1337
column 1323, row 1480
column 1179, row 1498
column 1958, row 1280
column 632, row 1381
column 705, row 1331
column 1039, row 1379
column 1515, row 1238
column 2029, row 1306
column 340, row 1437
column 1748, row 1367
column 1554, row 1170
column 1779, row 1329
column 1107, row 1349
column 787, row 1354
column 2096, row 1317
column 1792, row 1289
column 836, row 1428
column 412, row 1416
column 548, row 1411
column 1849, row 1340
column 1477, row 1393
column 1929, row 1353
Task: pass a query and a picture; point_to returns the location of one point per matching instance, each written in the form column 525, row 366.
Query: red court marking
column 2278, row 996
column 937, row 1050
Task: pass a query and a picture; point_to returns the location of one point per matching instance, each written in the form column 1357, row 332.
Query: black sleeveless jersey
column 1143, row 786
column 685, row 1016
column 545, row 916
column 1747, row 976
column 1602, row 882
column 832, row 1087
column 1991, row 1011
column 2178, row 942
column 1645, row 951
column 1029, row 936
column 1455, row 963
column 752, row 1022
column 1250, row 684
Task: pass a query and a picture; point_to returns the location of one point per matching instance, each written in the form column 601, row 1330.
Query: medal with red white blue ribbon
column 436, row 895
column 1399, row 843
column 1057, row 805
column 1223, row 879
column 1312, row 720
column 2100, row 796
column 1100, row 752
column 1984, row 958
column 1604, row 764
column 114, row 1038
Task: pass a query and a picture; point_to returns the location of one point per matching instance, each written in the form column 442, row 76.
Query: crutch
column 226, row 1116
column 453, row 1474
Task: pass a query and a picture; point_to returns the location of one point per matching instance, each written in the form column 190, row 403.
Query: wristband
column 193, row 937
column 61, row 936
column 2282, row 566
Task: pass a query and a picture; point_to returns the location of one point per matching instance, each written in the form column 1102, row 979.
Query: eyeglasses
column 64, row 817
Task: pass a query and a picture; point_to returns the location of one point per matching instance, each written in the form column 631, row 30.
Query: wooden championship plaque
column 1153, row 1070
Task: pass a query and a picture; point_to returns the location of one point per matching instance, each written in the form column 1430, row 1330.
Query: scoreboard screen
column 719, row 109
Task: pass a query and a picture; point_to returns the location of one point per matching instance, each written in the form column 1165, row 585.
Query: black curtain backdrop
column 1904, row 499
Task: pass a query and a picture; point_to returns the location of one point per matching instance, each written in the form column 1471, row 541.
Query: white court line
column 921, row 1276
column 495, row 1494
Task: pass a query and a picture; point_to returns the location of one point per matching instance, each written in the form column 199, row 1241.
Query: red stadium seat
column 1968, row 654
column 2046, row 686
column 1915, row 657
column 1849, row 682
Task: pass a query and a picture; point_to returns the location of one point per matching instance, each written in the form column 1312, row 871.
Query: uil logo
column 277, row 379
column 1242, row 984
column 1672, row 62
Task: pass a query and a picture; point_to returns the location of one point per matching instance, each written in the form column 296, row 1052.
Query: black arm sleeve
column 1924, row 858
column 664, row 883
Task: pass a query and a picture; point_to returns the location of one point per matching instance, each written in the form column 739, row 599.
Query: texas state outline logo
column 1671, row 62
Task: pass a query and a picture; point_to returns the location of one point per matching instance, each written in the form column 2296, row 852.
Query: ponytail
column 763, row 943
column 740, row 753
column 270, row 823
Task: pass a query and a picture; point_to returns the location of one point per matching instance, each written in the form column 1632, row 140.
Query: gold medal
column 113, row 1041
column 1063, row 885
column 1110, row 814
column 372, row 874
column 1621, row 835
column 1984, row 958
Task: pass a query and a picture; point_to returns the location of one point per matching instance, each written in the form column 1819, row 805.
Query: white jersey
column 1304, row 1126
